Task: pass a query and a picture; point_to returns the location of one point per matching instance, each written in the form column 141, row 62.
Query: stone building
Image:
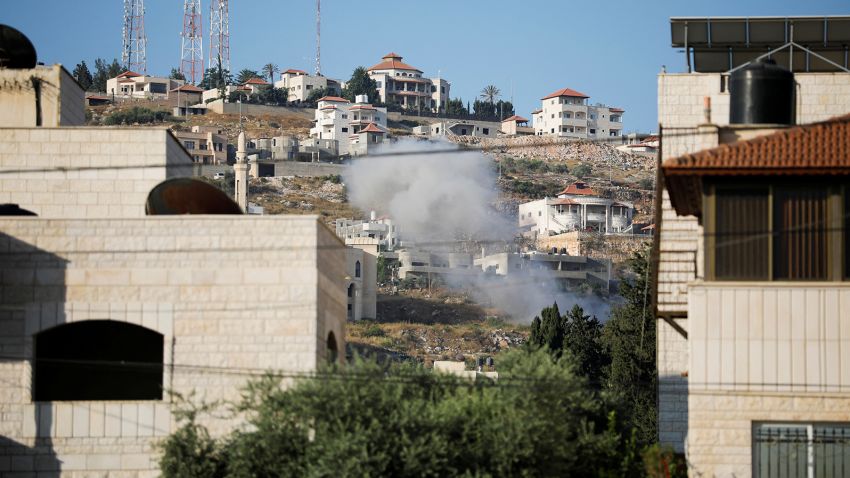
column 301, row 84
column 750, row 365
column 135, row 85
column 351, row 129
column 106, row 309
column 401, row 84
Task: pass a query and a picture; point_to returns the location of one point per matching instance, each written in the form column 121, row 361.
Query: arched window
column 351, row 290
column 333, row 352
column 98, row 360
column 357, row 269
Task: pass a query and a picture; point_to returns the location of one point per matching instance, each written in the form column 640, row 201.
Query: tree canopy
column 104, row 71
column 361, row 84
column 216, row 77
column 243, row 76
column 176, row 74
column 269, row 69
column 538, row 419
column 83, row 76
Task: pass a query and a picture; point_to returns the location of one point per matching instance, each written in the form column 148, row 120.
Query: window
column 592, row 130
column 486, row 131
column 344, row 116
column 308, row 87
column 801, row 449
column 774, row 232
column 189, row 144
column 345, row 130
column 98, row 360
column 357, row 268
column 333, row 352
column 158, row 88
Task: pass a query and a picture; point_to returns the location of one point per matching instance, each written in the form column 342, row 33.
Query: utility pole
column 318, row 37
column 191, row 47
column 219, row 35
column 134, row 40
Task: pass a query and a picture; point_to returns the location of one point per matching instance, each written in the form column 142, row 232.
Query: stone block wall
column 232, row 296
column 87, row 172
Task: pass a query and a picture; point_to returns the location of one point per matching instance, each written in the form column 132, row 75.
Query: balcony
column 596, row 217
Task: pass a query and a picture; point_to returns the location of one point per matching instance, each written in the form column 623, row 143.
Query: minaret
column 240, row 170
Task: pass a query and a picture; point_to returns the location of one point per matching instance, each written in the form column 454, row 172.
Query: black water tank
column 762, row 93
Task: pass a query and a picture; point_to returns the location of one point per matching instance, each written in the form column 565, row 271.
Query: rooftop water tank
column 762, row 93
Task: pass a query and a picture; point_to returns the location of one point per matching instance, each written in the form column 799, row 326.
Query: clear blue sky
column 610, row 50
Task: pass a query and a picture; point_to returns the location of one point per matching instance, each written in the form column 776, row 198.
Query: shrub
column 582, row 170
column 374, row 330
column 138, row 115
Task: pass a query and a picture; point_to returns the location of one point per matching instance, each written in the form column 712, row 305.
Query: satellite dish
column 16, row 50
column 188, row 196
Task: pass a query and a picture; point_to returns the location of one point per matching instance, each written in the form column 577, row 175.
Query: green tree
column 538, row 419
column 583, row 338
column 83, row 76
column 504, row 109
column 215, row 77
column 317, row 93
column 383, row 268
column 483, row 109
column 490, row 94
column 246, row 75
column 176, row 74
column 269, row 69
column 548, row 330
column 455, row 107
column 361, row 84
column 629, row 339
column 104, row 71
column 581, row 170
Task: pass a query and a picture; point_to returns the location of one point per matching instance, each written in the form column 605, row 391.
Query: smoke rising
column 436, row 199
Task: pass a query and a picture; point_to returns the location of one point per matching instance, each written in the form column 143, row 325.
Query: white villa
column 135, row 85
column 300, row 84
column 577, row 208
column 380, row 228
column 402, row 84
column 352, row 127
column 566, row 113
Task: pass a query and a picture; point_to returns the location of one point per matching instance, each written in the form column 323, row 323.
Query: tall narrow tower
column 318, row 37
column 219, row 35
column 134, row 40
column 192, row 49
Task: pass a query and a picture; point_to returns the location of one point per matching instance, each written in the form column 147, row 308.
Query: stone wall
column 231, row 296
column 617, row 247
column 87, row 172
column 45, row 96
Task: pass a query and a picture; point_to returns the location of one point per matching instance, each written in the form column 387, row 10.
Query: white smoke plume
column 438, row 198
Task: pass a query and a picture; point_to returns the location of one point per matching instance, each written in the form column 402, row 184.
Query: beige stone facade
column 42, row 96
column 729, row 357
column 87, row 172
column 246, row 295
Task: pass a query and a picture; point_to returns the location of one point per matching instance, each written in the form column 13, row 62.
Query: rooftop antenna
column 318, row 37
column 219, row 35
column 133, row 35
column 191, row 45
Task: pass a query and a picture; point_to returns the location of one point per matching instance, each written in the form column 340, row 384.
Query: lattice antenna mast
column 134, row 41
column 192, row 49
column 219, row 35
column 318, row 37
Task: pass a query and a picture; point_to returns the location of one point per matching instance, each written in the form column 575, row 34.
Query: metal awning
column 803, row 44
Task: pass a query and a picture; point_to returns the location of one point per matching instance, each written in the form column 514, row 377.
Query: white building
column 300, row 84
column 516, row 126
column 567, row 113
column 381, row 229
column 92, row 284
column 353, row 127
column 752, row 353
column 134, row 85
column 577, row 208
column 404, row 85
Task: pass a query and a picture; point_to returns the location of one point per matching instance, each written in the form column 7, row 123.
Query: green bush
column 538, row 419
column 138, row 115
column 374, row 330
column 581, row 170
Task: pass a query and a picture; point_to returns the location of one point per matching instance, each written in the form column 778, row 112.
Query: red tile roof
column 562, row 202
column 363, row 107
column 190, row 88
column 810, row 150
column 392, row 61
column 128, row 74
column 291, row 70
column 372, row 128
column 617, row 110
column 578, row 188
column 256, row 81
column 518, row 119
column 333, row 98
column 566, row 92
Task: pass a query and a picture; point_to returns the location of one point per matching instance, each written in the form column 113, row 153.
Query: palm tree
column 270, row 69
column 246, row 75
column 490, row 93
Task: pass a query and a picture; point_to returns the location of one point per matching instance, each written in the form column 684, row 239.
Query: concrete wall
column 221, row 107
column 58, row 101
column 240, row 292
column 110, row 171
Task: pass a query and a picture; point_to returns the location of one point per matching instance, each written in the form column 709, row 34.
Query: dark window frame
column 837, row 219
